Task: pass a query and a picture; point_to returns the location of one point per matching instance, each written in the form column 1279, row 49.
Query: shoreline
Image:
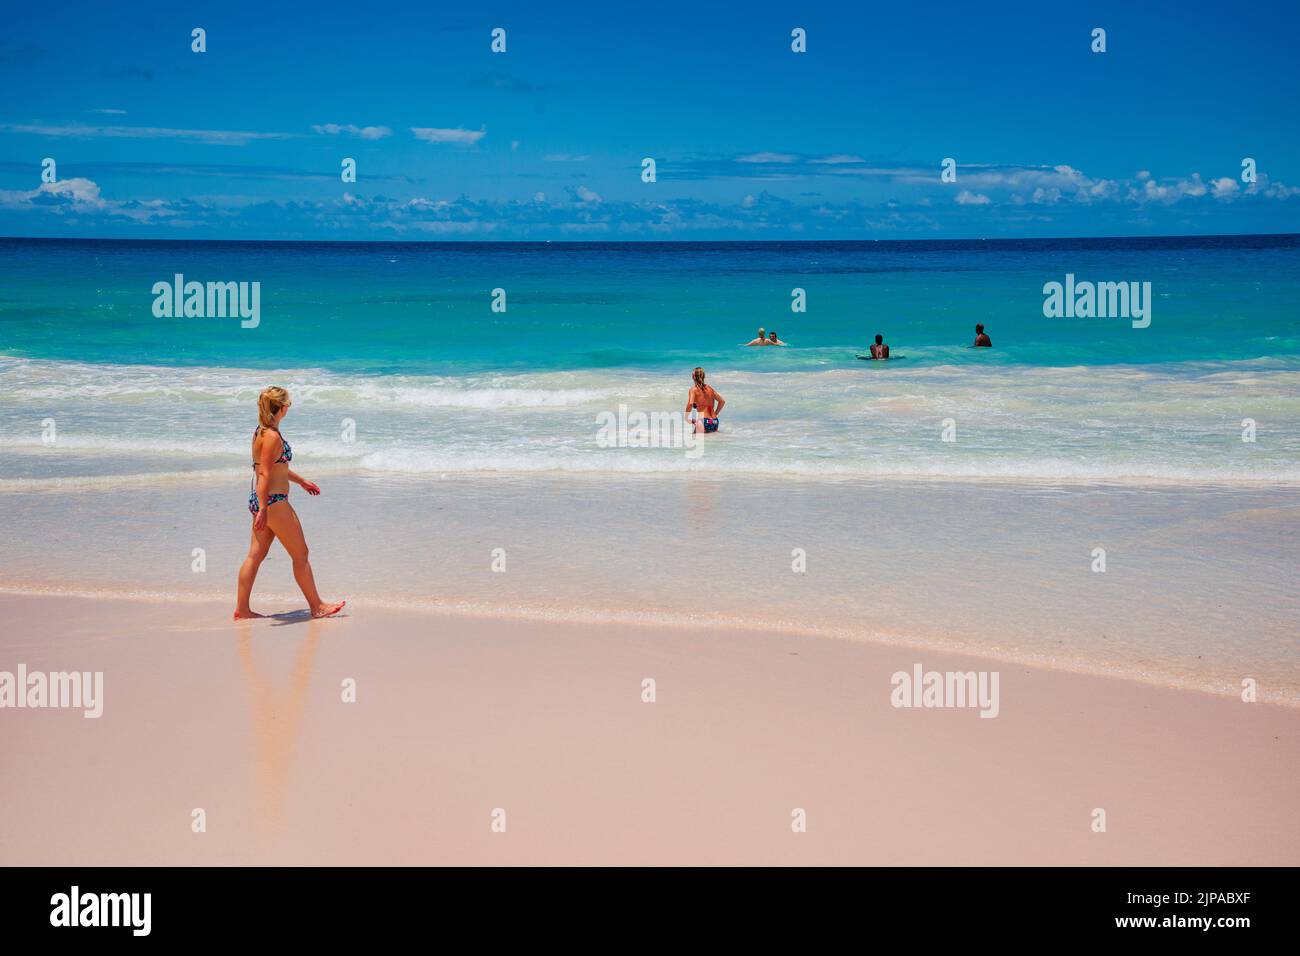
column 347, row 468
column 547, row 721
column 1195, row 595
column 1180, row 240
column 697, row 623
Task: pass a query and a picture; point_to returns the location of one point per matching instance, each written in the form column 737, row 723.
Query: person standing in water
column 982, row 341
column 761, row 340
column 773, row 340
column 273, row 516
column 880, row 350
column 705, row 400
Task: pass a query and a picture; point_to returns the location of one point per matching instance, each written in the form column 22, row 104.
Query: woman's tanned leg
column 283, row 520
column 258, row 545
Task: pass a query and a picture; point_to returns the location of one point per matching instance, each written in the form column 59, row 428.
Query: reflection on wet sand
column 276, row 721
column 702, row 506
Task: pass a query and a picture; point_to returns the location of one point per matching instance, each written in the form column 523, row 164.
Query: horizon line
column 644, row 242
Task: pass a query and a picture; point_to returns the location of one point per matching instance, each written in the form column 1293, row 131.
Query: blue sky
column 545, row 141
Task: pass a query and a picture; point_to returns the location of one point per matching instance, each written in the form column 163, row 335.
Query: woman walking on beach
column 704, row 399
column 273, row 516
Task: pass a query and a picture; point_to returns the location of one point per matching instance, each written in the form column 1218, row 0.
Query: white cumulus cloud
column 365, row 132
column 459, row 137
column 82, row 197
column 1223, row 188
column 767, row 158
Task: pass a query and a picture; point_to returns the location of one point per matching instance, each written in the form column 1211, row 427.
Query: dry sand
column 456, row 717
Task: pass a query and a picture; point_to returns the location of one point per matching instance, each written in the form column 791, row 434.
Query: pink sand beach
column 480, row 740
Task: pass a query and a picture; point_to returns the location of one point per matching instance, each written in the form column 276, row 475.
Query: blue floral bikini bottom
column 270, row 500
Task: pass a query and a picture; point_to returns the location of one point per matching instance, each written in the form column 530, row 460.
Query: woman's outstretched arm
column 308, row 486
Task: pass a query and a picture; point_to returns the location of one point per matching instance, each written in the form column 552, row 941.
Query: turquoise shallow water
column 401, row 341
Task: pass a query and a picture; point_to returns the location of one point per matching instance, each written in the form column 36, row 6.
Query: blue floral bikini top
column 286, row 453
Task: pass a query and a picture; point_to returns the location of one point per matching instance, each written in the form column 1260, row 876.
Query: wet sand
column 458, row 717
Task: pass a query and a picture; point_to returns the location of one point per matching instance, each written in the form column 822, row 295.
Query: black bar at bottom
column 374, row 904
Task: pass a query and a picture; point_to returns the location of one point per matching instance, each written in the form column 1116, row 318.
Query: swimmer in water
column 982, row 341
column 773, row 340
column 761, row 340
column 880, row 350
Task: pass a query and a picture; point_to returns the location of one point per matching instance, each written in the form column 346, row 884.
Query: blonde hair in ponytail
column 269, row 403
column 698, row 376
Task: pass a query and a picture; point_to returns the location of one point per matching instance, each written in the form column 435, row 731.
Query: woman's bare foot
column 245, row 615
column 327, row 610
